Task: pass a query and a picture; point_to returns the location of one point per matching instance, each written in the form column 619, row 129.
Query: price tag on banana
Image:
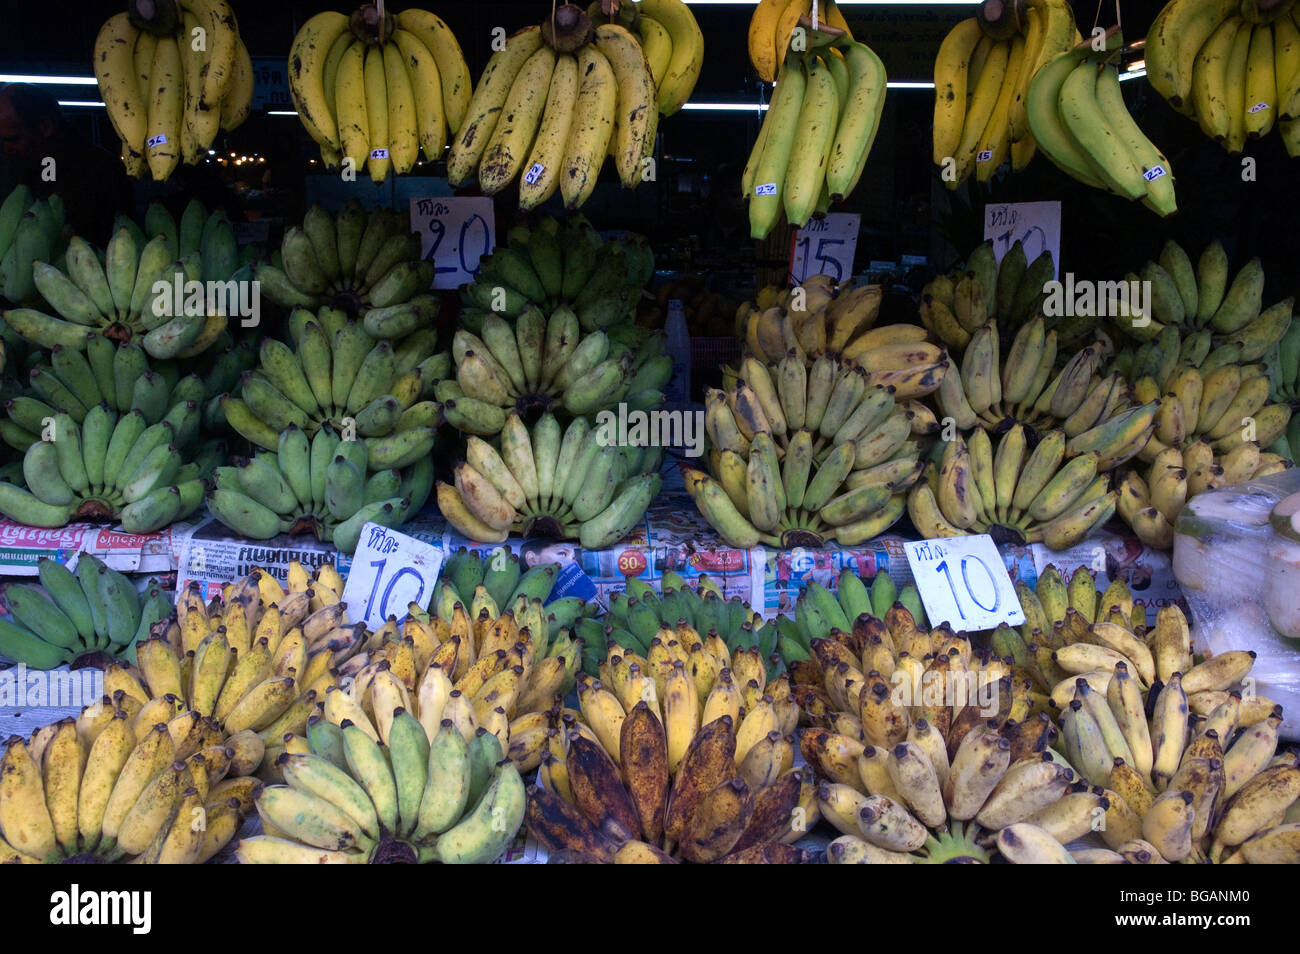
column 389, row 572
column 1035, row 225
column 963, row 582
column 455, row 233
column 825, row 247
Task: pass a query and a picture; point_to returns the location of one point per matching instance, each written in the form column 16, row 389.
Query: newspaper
column 22, row 547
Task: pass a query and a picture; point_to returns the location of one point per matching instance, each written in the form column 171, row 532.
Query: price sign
column 455, row 233
column 1036, row 225
column 825, row 247
column 963, row 582
column 389, row 571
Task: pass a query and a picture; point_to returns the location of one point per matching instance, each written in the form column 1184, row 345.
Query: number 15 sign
column 389, row 572
column 964, row 583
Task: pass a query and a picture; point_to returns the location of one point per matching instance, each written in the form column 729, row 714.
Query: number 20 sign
column 389, row 572
column 963, row 582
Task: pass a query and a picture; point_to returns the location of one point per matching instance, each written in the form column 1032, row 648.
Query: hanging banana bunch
column 671, row 39
column 982, row 77
column 379, row 90
column 172, row 74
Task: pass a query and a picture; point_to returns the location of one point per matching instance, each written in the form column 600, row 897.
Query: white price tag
column 1036, row 225
column 1258, row 108
column 825, row 247
column 1154, row 173
column 766, row 189
column 378, row 153
column 535, row 172
column 153, row 142
column 963, row 582
column 389, row 571
column 455, row 233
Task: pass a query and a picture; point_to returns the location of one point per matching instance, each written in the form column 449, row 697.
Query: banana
column 589, row 136
column 485, row 106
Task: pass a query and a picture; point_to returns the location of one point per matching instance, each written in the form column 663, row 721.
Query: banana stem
column 379, row 4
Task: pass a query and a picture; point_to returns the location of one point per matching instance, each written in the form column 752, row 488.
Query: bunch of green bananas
column 413, row 797
column 494, row 581
column 366, row 264
column 552, row 265
column 1205, row 308
column 102, row 788
column 576, row 484
column 95, row 610
column 1017, row 495
column 638, row 615
column 319, row 485
column 1284, row 367
column 818, row 612
column 113, row 468
column 541, row 364
column 31, row 230
column 117, row 376
column 335, row 374
column 116, row 295
column 994, row 392
column 956, row 305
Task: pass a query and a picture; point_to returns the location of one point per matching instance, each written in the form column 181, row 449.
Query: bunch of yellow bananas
column 1017, row 495
column 1231, row 65
column 377, row 91
column 172, row 82
column 772, row 31
column 106, row 787
column 682, row 754
column 1077, row 115
column 671, row 39
column 981, row 79
column 815, row 139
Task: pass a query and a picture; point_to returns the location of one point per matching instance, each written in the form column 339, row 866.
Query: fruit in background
column 1013, row 493
column 1231, row 67
column 813, row 147
column 335, row 376
column 379, row 91
column 982, row 76
column 670, row 758
column 91, row 789
column 541, row 483
column 31, row 230
column 53, row 624
column 710, row 312
column 1077, row 115
column 117, row 297
column 172, row 76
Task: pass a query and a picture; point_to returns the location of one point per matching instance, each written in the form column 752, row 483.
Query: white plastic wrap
column 1241, row 580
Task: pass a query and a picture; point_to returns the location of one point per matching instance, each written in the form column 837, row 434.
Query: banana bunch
column 638, row 616
column 336, row 375
column 1205, row 307
column 1016, row 494
column 31, row 230
column 118, row 295
column 172, row 75
column 682, row 755
column 1195, row 778
column 548, row 112
column 415, row 797
column 829, row 320
column 981, row 79
column 1150, row 503
column 103, row 788
column 576, row 484
column 367, row 264
column 813, row 145
column 502, row 578
column 549, row 364
column 956, row 305
column 376, row 89
column 818, row 611
column 317, row 486
column 488, row 676
column 549, row 266
column 1077, row 115
column 95, row 610
column 671, row 40
column 772, row 30
column 1233, row 67
column 1284, row 367
column 113, row 468
column 1094, row 413
column 921, row 741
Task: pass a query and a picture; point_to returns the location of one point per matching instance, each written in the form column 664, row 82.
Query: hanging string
column 814, row 16
column 379, row 4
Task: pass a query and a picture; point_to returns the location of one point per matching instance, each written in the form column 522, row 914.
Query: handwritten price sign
column 389, row 572
column 825, row 247
column 1035, row 225
column 963, row 582
column 455, row 233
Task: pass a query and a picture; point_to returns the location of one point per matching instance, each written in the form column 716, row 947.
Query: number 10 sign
column 389, row 572
column 964, row 583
